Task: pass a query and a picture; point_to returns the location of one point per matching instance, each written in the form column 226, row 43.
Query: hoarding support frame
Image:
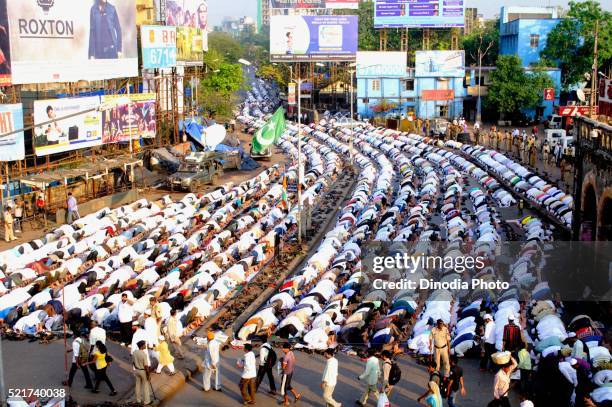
column 383, row 38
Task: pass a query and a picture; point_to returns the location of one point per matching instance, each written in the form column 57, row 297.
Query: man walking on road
column 175, row 331
column 80, row 356
column 489, row 342
column 249, row 373
column 211, row 363
column 330, row 378
column 439, row 343
column 288, row 367
column 455, row 381
column 73, row 209
column 370, row 375
column 267, row 360
column 141, row 364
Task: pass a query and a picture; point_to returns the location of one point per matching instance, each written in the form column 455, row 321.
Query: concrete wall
column 110, row 201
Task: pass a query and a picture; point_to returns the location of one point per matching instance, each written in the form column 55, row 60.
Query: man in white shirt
column 126, row 316
column 489, row 342
column 175, row 331
column 330, row 378
column 501, row 386
column 79, row 358
column 96, row 334
column 211, row 363
column 249, row 373
column 267, row 360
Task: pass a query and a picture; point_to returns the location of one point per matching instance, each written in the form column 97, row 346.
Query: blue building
column 389, row 85
column 523, row 31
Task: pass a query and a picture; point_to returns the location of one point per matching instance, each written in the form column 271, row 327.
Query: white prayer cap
column 573, row 361
column 510, row 317
column 571, row 335
column 488, row 316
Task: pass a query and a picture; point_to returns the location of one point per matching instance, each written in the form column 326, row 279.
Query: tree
column 570, row 44
column 225, row 45
column 512, row 89
column 485, row 39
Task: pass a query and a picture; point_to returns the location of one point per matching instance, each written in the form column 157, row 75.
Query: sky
column 218, row 9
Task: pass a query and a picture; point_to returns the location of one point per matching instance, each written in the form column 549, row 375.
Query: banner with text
column 68, row 41
column 381, row 64
column 440, row 64
column 66, row 124
column 313, row 38
column 158, row 46
column 189, row 46
column 134, row 120
column 11, row 145
column 352, row 4
column 5, row 47
column 419, row 13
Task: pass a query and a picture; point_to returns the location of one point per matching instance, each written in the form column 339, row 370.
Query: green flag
column 270, row 132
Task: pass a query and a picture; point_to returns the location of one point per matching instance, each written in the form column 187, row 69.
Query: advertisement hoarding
column 440, row 64
column 79, row 124
column 438, row 94
column 5, row 47
column 146, row 12
column 352, row 4
column 68, row 41
column 573, row 111
column 189, row 13
column 419, row 13
column 11, row 145
column 158, row 46
column 134, row 120
column 189, row 47
column 291, row 94
column 549, row 94
column 313, row 38
column 381, row 64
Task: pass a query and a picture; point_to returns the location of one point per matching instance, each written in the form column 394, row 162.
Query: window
column 408, row 84
column 534, row 40
column 442, row 111
column 376, row 84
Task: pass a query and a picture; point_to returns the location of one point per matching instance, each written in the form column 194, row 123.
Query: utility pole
column 594, row 74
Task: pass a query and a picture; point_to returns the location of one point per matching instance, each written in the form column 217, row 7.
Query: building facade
column 523, row 31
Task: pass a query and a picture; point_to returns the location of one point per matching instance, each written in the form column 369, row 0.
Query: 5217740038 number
column 39, row 393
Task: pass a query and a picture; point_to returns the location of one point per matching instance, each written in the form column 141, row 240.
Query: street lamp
column 299, row 82
column 352, row 72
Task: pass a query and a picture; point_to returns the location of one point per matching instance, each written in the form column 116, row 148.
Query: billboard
column 145, row 12
column 66, row 124
column 438, row 94
column 419, row 13
column 68, row 41
column 158, row 46
column 187, row 13
column 440, row 64
column 133, row 120
column 381, row 64
column 353, row 4
column 189, row 46
column 11, row 145
column 5, row 47
column 313, row 38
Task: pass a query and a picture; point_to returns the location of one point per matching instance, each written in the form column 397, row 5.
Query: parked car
column 196, row 170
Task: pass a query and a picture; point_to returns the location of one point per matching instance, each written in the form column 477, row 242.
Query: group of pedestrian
column 91, row 353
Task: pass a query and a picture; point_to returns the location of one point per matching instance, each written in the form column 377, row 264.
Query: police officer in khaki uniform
column 439, row 342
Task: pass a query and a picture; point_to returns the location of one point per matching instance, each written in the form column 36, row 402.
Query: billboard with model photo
column 68, row 40
column 313, row 38
column 5, row 47
column 66, row 124
column 134, row 120
column 189, row 14
column 440, row 64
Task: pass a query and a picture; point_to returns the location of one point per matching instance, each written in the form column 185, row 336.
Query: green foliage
column 227, row 79
column 273, row 73
column 225, row 45
column 570, row 44
column 487, row 39
column 512, row 89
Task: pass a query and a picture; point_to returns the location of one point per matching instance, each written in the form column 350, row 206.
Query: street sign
column 549, row 94
column 576, row 110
